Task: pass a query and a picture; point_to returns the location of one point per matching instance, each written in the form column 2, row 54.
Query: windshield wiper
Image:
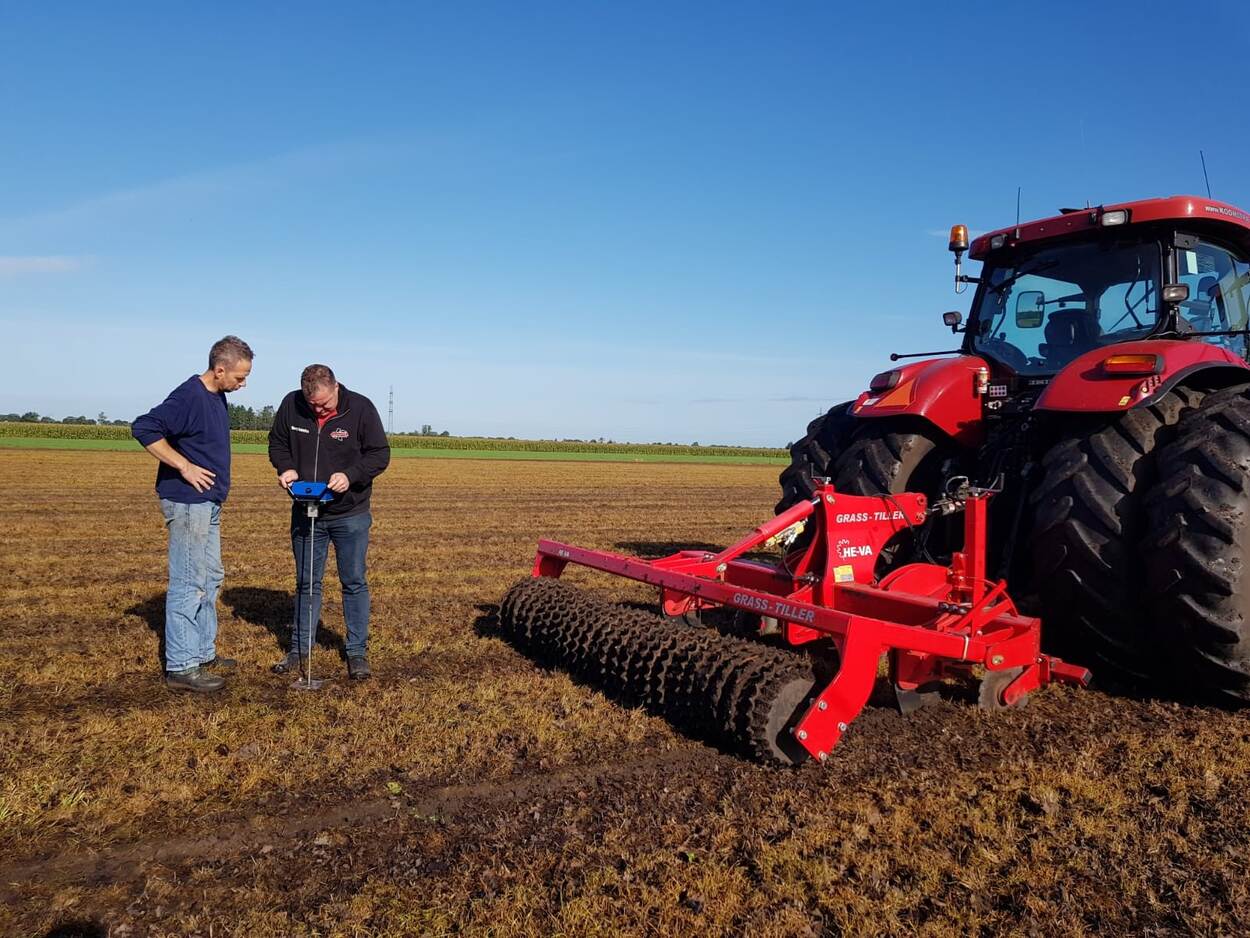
column 1023, row 272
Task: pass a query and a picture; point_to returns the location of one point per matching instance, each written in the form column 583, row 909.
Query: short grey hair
column 228, row 351
column 316, row 376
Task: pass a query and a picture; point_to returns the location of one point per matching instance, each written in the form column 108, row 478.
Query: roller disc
column 741, row 694
column 773, row 737
column 990, row 695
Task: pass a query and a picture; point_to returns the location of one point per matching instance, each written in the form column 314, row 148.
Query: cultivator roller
column 933, row 622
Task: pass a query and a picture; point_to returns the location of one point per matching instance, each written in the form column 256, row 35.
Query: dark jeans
column 350, row 537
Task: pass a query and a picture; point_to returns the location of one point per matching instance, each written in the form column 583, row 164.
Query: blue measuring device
column 315, row 492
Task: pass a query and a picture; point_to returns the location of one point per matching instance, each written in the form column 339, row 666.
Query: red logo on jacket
column 339, row 434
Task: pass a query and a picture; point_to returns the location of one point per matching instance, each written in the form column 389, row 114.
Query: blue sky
column 645, row 221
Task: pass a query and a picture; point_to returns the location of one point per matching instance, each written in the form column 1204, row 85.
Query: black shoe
column 221, row 664
column 195, row 679
column 358, row 668
column 287, row 664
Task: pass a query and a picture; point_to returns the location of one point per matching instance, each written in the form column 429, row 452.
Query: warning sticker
column 844, row 574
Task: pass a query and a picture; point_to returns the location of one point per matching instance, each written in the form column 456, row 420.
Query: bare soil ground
column 467, row 790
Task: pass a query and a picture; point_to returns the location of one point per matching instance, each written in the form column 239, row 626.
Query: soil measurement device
column 312, row 495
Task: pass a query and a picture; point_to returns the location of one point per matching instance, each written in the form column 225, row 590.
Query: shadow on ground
column 487, row 622
column 80, row 928
column 271, row 610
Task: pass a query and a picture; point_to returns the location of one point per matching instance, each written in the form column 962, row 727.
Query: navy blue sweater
column 196, row 422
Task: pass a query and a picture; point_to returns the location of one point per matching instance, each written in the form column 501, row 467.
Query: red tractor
column 1102, row 390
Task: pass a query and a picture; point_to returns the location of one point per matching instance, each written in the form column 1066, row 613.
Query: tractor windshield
column 1039, row 311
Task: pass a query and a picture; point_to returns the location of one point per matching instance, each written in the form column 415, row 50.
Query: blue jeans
column 350, row 537
column 195, row 575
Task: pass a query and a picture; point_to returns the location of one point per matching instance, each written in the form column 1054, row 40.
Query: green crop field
column 108, row 438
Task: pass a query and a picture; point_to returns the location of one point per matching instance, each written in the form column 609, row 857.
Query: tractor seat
column 1205, row 311
column 1069, row 332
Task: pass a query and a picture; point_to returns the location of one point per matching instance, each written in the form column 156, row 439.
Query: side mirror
column 1175, row 292
column 953, row 319
column 1030, row 309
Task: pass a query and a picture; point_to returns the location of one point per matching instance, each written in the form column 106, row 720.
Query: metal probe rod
column 308, row 575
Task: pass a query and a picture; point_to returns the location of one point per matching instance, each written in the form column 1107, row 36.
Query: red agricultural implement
column 934, row 622
column 1100, row 390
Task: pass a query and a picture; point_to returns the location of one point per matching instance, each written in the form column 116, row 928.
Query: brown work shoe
column 290, row 662
column 358, row 668
column 196, row 680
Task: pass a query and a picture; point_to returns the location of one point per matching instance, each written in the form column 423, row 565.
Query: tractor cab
column 1035, row 311
column 1052, row 290
column 1218, row 300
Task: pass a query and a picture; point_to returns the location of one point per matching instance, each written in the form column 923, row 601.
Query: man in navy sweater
column 189, row 434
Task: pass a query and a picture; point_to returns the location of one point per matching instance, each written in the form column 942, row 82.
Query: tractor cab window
column 1038, row 312
column 1219, row 293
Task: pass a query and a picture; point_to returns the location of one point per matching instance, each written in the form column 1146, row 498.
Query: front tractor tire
column 1198, row 555
column 1088, row 522
column 887, row 457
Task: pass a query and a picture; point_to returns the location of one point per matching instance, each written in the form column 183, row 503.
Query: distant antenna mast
column 1204, row 173
column 390, row 412
column 1018, row 188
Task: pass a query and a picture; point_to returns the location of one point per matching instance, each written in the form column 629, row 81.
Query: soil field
column 465, row 790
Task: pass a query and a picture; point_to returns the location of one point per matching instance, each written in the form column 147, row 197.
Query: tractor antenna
column 1204, row 173
column 390, row 412
column 1018, row 212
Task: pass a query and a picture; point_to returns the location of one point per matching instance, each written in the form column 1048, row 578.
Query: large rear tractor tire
column 813, row 455
column 1089, row 521
column 1198, row 553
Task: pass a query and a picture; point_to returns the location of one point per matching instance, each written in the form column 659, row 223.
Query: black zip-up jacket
column 352, row 442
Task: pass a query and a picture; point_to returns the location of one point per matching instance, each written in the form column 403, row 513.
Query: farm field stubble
column 466, row 790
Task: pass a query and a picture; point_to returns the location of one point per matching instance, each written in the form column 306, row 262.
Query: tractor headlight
column 884, row 381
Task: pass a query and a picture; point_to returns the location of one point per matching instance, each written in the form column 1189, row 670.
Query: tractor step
column 738, row 693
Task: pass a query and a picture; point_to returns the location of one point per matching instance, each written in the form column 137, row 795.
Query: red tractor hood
column 942, row 391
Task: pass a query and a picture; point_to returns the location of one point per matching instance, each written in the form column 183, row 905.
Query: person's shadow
column 270, row 609
column 152, row 611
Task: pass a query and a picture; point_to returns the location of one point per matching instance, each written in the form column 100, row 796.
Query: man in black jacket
column 325, row 433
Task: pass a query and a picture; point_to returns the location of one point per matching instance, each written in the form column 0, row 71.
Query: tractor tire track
column 126, row 861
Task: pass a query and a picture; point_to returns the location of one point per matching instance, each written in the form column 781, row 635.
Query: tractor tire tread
column 1087, row 525
column 1198, row 552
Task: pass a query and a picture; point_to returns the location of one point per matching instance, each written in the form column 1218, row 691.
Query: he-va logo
column 339, row 434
